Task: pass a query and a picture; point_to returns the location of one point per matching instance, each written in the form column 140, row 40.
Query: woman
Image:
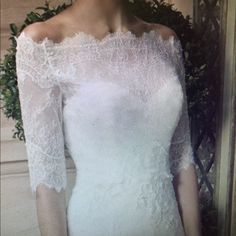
column 108, row 87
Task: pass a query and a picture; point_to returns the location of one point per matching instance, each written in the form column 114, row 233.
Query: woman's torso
column 121, row 102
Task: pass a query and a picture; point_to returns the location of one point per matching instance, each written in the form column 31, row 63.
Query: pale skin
column 99, row 18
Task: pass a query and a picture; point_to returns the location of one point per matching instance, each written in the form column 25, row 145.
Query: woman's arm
column 181, row 154
column 51, row 211
column 186, row 189
column 41, row 109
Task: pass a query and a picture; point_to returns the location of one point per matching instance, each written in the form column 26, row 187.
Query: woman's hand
column 186, row 188
column 51, row 210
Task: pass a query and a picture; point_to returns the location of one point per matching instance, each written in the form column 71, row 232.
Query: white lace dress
column 118, row 105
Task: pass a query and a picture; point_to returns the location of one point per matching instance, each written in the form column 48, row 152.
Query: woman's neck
column 110, row 14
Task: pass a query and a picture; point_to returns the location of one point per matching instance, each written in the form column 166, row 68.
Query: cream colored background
column 18, row 215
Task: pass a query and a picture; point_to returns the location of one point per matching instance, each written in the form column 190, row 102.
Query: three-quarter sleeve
column 41, row 110
column 181, row 151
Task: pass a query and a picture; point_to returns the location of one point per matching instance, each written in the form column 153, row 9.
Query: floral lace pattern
column 119, row 106
column 41, row 101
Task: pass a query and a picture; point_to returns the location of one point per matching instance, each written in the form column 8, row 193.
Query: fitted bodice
column 115, row 106
column 105, row 123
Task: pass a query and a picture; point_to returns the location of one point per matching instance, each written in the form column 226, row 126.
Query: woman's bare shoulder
column 165, row 31
column 38, row 31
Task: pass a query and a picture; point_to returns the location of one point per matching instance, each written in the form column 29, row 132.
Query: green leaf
column 13, row 28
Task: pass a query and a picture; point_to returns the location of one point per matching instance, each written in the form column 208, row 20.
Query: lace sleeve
column 181, row 152
column 40, row 100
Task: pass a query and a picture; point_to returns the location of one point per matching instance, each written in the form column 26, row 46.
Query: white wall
column 185, row 6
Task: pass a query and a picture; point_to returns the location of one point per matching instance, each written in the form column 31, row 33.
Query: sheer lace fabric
column 41, row 108
column 119, row 106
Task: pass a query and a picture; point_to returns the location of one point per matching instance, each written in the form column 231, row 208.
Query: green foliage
column 8, row 84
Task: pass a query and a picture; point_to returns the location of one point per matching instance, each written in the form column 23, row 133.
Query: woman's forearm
column 186, row 189
column 51, row 211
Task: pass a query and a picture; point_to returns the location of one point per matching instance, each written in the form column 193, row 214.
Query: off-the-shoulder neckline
column 91, row 39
